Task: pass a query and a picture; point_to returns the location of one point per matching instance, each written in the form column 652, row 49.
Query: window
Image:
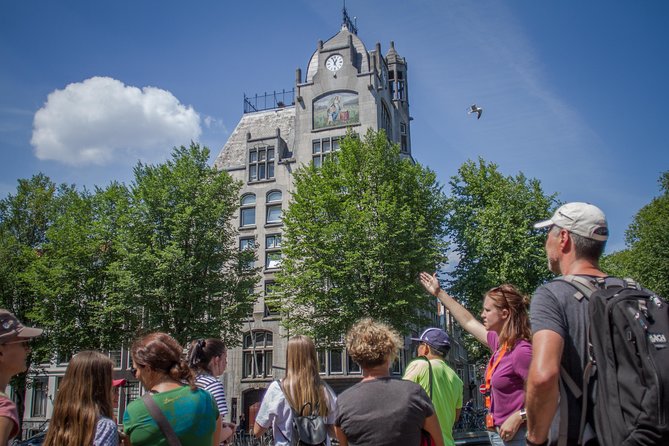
column 257, row 354
column 404, row 140
column 64, row 358
column 272, row 251
column 272, row 302
column 273, row 241
column 40, row 390
column 115, row 356
column 273, row 214
column 353, row 367
column 396, row 366
column 320, row 353
column 396, row 85
column 386, row 121
column 247, row 244
column 247, row 211
column 272, row 260
column 322, row 148
column 336, row 359
column 261, row 163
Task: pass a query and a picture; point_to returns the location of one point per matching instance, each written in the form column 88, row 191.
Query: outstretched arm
column 460, row 313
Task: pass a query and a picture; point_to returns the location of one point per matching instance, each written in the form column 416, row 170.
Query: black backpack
column 308, row 428
column 627, row 367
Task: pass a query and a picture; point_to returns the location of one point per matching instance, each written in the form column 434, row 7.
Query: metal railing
column 269, row 101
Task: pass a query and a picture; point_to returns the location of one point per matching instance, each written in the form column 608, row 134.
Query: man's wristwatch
column 531, row 443
column 523, row 414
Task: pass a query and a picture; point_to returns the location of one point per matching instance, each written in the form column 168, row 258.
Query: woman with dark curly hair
column 506, row 332
column 381, row 410
column 190, row 411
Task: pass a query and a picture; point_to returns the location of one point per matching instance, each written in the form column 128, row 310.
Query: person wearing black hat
column 441, row 383
column 14, row 351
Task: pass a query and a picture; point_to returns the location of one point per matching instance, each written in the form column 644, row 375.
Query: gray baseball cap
column 583, row 219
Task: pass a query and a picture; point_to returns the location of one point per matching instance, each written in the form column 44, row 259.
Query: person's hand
column 430, row 283
column 227, row 431
column 510, row 426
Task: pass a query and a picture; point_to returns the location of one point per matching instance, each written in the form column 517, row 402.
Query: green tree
column 24, row 219
column 183, row 270
column 356, row 234
column 74, row 279
column 646, row 258
column 490, row 226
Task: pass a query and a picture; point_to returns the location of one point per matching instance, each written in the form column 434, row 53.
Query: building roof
column 261, row 124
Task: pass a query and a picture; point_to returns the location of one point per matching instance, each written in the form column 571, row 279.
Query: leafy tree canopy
column 490, row 227
column 646, row 258
column 357, row 233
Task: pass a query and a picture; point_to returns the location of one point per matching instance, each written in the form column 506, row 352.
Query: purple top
column 508, row 379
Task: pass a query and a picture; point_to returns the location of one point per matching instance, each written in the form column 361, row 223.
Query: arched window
column 247, row 210
column 258, row 347
column 273, row 214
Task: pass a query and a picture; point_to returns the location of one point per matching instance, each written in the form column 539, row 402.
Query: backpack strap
column 584, row 289
column 159, row 417
column 291, row 409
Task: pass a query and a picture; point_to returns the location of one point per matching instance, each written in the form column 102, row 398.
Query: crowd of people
column 185, row 402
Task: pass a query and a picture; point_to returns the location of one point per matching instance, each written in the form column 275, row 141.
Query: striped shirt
column 213, row 386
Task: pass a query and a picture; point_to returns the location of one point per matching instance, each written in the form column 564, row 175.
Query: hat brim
column 29, row 333
column 543, row 224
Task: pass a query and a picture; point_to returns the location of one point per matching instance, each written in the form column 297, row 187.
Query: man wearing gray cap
column 575, row 241
column 14, row 350
column 440, row 382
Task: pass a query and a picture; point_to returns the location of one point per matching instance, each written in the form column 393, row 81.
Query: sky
column 572, row 92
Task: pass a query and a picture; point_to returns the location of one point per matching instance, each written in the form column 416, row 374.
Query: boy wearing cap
column 446, row 387
column 14, row 350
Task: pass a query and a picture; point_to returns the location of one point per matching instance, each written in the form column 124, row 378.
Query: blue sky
column 572, row 91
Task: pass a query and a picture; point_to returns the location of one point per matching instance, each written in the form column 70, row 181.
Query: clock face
column 334, row 62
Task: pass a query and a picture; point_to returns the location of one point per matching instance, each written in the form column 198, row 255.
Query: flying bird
column 476, row 109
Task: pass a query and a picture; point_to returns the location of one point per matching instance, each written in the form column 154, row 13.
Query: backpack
column 307, row 428
column 627, row 364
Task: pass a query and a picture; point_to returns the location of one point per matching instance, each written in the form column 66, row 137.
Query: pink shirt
column 8, row 410
column 508, row 379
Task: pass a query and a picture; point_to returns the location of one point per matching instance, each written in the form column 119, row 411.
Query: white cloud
column 102, row 121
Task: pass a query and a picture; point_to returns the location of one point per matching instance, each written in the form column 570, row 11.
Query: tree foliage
column 24, row 220
column 646, row 258
column 182, row 253
column 357, row 233
column 96, row 268
column 490, row 227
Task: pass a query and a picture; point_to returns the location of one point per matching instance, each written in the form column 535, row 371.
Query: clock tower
column 345, row 87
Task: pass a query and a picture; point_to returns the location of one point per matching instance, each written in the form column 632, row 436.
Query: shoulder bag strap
column 429, row 364
column 160, row 419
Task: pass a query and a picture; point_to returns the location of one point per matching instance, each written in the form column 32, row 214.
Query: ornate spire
column 347, row 22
